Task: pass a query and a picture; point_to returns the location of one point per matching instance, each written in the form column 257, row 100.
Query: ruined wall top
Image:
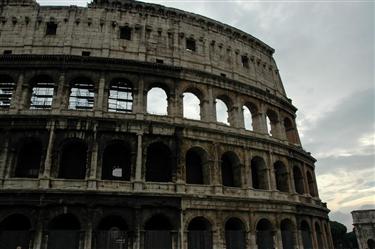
column 18, row 2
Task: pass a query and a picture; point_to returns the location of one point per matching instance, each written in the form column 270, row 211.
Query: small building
column 364, row 226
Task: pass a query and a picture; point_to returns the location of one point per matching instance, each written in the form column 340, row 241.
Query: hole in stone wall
column 42, row 92
column 222, row 114
column 63, row 232
column 281, row 177
column 125, row 33
column 51, row 28
column 287, row 234
column 306, row 235
column 259, row 173
column 157, row 101
column 15, row 232
column 191, row 106
column 230, row 170
column 190, row 44
column 81, row 94
column 116, row 162
column 7, row 87
column 29, row 159
column 245, row 61
column 73, row 160
column 197, row 171
column 120, row 97
column 298, row 180
column 158, row 163
column 264, row 234
column 235, row 234
column 199, row 234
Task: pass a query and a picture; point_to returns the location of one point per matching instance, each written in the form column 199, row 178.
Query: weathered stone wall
column 364, row 226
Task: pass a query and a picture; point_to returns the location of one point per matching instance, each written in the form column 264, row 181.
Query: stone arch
column 29, row 158
column 120, row 96
column 116, row 161
column 287, row 234
column 272, row 120
column 223, row 106
column 82, row 93
column 298, row 180
column 15, row 231
column 281, row 176
column 196, row 165
column 192, row 107
column 42, row 90
column 235, row 234
column 64, row 229
column 264, row 234
column 199, row 233
column 73, row 159
column 112, row 231
column 159, row 163
column 250, row 112
column 259, row 173
column 157, row 100
column 230, row 170
column 311, row 183
column 306, row 235
column 158, row 232
column 319, row 235
column 7, row 90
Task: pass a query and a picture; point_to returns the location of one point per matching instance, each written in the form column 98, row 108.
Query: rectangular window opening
column 51, row 28
column 125, row 33
column 7, row 52
column 190, row 44
column 245, row 61
column 159, row 61
column 86, row 53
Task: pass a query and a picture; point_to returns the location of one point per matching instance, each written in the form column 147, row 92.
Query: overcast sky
column 325, row 53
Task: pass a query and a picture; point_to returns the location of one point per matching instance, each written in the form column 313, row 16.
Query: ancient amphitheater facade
column 86, row 163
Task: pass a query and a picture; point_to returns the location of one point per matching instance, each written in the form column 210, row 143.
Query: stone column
column 46, row 175
column 140, row 99
column 38, row 236
column 4, row 155
column 314, row 235
column 205, row 110
column 247, row 179
column 139, row 161
column 315, row 185
column 253, row 239
column 278, row 239
column 271, row 173
column 292, row 188
column 94, row 163
column 59, row 96
column 211, row 107
column 16, row 101
column 88, row 235
column 100, row 106
column 299, row 237
column 305, row 181
column 324, row 235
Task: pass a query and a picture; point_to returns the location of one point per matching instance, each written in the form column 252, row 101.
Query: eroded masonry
column 87, row 161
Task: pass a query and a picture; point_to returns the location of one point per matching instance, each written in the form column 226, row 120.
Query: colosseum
column 130, row 125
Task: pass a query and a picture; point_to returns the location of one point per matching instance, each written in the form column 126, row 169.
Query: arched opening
column 82, row 94
column 15, row 232
column 371, row 244
column 310, row 182
column 306, row 235
column 120, row 97
column 259, row 173
column 191, row 106
column 222, row 112
column 290, row 131
column 64, row 232
column 158, row 233
column 7, row 87
column 298, row 180
column 271, row 118
column 248, row 119
column 199, row 234
column 157, row 101
column 73, row 160
column 264, row 234
column 158, row 163
column 116, row 162
column 287, row 234
column 42, row 92
column 319, row 235
column 112, row 233
column 235, row 234
column 29, row 158
column 281, row 177
column 197, row 171
column 230, row 170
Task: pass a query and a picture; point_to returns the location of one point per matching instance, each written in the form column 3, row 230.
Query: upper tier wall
column 157, row 34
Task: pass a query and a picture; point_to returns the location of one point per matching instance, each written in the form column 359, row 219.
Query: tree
column 342, row 239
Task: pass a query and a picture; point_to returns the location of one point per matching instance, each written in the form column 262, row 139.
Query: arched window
column 191, row 106
column 15, row 232
column 157, row 101
column 264, row 234
column 64, row 232
column 319, row 235
column 287, row 234
column 230, row 170
column 81, row 94
column 199, row 234
column 235, row 234
column 298, row 180
column 116, row 162
column 222, row 112
column 306, row 235
column 112, row 233
column 158, row 163
column 281, row 177
column 120, row 97
column 310, row 182
column 259, row 173
column 73, row 160
column 248, row 119
column 7, row 87
column 29, row 158
column 42, row 92
column 158, row 233
column 197, row 171
column 271, row 122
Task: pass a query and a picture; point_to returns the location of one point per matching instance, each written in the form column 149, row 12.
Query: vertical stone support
column 238, row 116
column 181, row 230
column 88, row 235
column 271, row 173
column 138, row 235
column 289, row 169
column 299, row 237
column 205, row 110
column 38, row 235
column 59, row 97
column 324, row 234
column 329, row 235
column 211, row 106
column 248, row 181
column 278, row 239
column 16, row 101
column 140, row 100
column 315, row 185
column 281, row 134
column 139, row 162
column 178, row 105
column 253, row 239
column 216, row 172
column 99, row 100
column 4, row 155
column 94, row 163
column 305, row 181
column 261, row 120
column 314, row 235
column 46, row 175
